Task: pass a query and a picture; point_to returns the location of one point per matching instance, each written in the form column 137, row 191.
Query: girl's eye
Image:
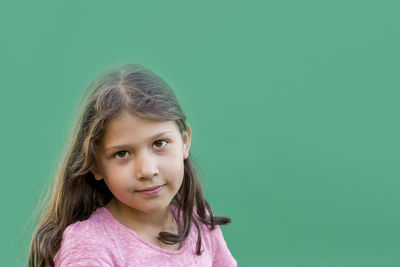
column 160, row 142
column 123, row 153
column 120, row 154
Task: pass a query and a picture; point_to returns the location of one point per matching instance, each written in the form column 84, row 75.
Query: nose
column 145, row 166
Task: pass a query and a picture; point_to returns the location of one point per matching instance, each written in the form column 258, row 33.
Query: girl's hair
column 76, row 194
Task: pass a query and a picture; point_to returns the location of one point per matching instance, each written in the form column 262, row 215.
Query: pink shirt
column 102, row 241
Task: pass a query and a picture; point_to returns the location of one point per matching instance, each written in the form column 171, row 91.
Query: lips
column 149, row 188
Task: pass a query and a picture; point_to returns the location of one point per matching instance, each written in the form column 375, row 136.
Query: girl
column 126, row 193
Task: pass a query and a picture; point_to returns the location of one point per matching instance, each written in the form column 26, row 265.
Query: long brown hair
column 76, row 194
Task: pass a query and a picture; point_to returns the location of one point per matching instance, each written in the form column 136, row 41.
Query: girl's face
column 137, row 154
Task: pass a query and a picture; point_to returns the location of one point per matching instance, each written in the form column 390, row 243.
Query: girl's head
column 133, row 136
column 130, row 135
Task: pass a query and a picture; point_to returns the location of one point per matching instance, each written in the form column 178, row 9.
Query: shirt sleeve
column 81, row 249
column 222, row 257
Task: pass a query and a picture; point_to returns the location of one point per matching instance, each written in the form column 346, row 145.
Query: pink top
column 103, row 241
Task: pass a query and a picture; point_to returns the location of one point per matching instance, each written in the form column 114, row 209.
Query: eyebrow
column 127, row 145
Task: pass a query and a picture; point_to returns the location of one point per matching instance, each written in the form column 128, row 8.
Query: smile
column 152, row 190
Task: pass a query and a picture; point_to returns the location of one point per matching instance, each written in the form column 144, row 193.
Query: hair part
column 77, row 194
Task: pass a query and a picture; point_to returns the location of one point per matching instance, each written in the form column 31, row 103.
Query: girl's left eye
column 160, row 142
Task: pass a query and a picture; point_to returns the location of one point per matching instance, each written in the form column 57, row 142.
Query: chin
column 154, row 208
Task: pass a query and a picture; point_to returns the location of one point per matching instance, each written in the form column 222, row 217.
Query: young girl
column 126, row 193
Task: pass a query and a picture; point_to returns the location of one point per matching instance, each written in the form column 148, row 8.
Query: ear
column 96, row 173
column 186, row 137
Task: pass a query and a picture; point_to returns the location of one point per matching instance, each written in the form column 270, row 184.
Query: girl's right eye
column 120, row 154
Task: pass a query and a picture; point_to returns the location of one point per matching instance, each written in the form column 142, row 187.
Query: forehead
column 128, row 128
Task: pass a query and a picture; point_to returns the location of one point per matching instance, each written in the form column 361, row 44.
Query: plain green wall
column 294, row 107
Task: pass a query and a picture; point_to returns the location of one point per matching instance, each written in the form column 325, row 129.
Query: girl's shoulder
column 86, row 233
column 215, row 241
column 89, row 227
column 84, row 241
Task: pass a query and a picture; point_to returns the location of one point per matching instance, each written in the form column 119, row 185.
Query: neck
column 140, row 221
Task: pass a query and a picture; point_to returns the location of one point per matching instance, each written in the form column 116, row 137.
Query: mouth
column 150, row 188
column 151, row 191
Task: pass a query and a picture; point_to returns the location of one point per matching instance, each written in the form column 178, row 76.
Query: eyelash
column 115, row 154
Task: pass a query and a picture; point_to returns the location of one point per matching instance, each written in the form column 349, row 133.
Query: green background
column 294, row 107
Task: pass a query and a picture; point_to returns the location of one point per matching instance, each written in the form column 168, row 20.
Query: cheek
column 174, row 170
column 180, row 172
column 118, row 178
